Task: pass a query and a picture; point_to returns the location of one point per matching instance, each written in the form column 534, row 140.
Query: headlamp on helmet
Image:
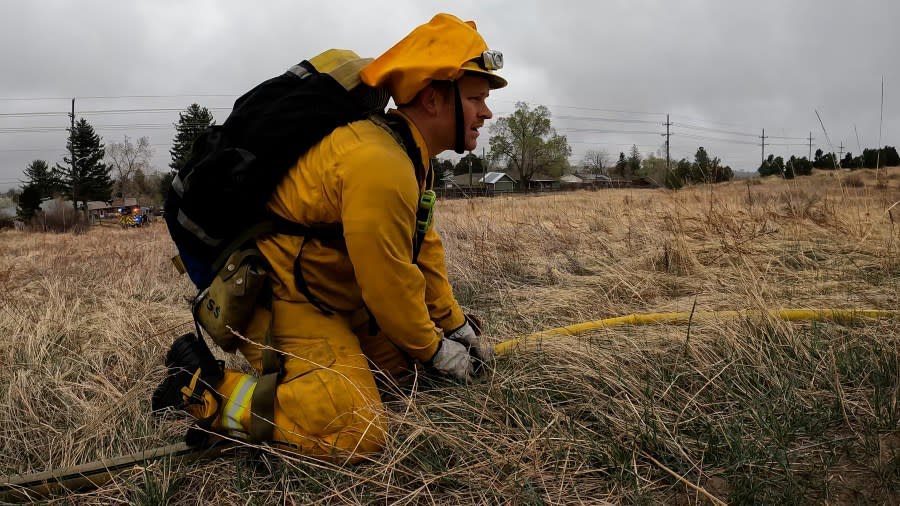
column 490, row 60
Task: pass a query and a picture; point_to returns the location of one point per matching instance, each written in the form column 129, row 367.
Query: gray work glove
column 453, row 359
column 468, row 336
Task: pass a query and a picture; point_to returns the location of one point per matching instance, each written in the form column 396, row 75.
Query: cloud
column 720, row 65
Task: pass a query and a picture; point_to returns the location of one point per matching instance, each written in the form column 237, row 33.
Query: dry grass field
column 740, row 411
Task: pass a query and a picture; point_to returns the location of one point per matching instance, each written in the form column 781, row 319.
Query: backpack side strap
column 262, row 419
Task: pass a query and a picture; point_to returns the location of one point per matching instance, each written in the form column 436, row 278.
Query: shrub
column 854, row 181
column 59, row 219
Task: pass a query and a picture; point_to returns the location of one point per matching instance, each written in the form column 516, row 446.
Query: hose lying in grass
column 93, row 474
column 699, row 316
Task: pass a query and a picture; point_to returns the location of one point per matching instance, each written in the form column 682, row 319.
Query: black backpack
column 217, row 201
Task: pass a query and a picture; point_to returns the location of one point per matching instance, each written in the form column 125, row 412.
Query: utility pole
column 840, row 154
column 75, row 178
column 667, row 124
column 763, row 137
column 810, row 146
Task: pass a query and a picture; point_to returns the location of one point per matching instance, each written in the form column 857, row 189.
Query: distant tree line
column 94, row 172
column 704, row 169
column 794, row 166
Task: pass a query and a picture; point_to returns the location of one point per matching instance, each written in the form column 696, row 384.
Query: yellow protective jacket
column 361, row 177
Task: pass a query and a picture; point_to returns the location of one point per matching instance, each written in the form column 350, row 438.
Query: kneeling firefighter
column 376, row 297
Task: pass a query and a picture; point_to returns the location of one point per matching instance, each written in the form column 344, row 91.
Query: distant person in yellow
column 366, row 308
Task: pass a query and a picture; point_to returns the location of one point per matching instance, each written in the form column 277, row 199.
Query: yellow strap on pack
column 188, row 391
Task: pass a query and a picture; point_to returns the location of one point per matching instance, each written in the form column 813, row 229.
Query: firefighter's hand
column 468, row 336
column 453, row 359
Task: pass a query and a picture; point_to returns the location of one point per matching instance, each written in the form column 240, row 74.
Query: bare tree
column 126, row 159
column 597, row 161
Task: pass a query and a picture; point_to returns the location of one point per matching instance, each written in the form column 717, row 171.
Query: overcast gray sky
column 608, row 70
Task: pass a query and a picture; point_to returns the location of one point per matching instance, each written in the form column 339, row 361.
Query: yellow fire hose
column 699, row 316
column 94, row 474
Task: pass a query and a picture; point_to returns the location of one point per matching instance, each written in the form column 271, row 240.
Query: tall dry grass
column 738, row 411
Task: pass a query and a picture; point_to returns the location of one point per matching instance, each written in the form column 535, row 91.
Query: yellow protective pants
column 327, row 403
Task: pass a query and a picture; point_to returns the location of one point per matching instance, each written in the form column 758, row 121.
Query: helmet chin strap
column 460, row 147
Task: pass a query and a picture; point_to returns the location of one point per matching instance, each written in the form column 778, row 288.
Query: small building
column 598, row 180
column 97, row 208
column 498, row 182
column 466, row 181
column 645, row 182
column 571, row 181
column 541, row 182
column 122, row 203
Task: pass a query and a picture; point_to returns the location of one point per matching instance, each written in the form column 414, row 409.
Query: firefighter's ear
column 434, row 98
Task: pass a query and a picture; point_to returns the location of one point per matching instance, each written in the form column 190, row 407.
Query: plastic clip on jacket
column 425, row 214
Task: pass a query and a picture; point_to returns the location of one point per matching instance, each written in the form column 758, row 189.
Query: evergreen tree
column 29, row 202
column 42, row 178
column 824, row 161
column 469, row 163
column 672, row 180
column 720, row 173
column 889, row 157
column 443, row 166
column 779, row 165
column 191, row 123
column 702, row 168
column 682, row 171
column 622, row 165
column 772, row 166
column 88, row 177
column 847, row 162
column 165, row 182
column 803, row 167
column 869, row 158
column 634, row 161
column 789, row 168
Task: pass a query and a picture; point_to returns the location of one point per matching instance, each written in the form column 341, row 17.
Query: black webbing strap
column 322, row 232
column 300, row 282
column 399, row 126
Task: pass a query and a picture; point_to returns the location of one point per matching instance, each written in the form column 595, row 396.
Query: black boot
column 192, row 369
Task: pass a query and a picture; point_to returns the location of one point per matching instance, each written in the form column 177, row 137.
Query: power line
column 153, row 110
column 606, row 131
column 581, row 108
column 714, row 130
column 610, row 120
column 101, row 97
column 719, row 139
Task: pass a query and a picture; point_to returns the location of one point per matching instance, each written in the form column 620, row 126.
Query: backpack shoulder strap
column 401, row 131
